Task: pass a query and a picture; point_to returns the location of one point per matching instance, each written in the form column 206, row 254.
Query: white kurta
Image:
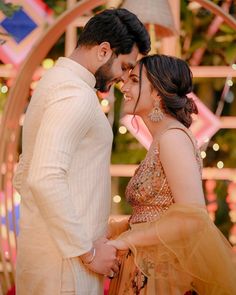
column 64, row 181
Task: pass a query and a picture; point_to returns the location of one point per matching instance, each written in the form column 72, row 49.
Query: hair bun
column 191, row 106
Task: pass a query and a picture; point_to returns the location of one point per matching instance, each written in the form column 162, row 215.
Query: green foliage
column 222, row 219
column 3, row 96
column 8, row 8
column 58, row 6
column 194, row 27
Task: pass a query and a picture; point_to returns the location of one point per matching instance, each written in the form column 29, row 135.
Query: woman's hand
column 119, row 244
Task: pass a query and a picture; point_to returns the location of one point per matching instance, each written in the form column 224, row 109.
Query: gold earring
column 156, row 114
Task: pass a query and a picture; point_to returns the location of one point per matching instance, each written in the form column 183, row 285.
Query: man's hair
column 120, row 27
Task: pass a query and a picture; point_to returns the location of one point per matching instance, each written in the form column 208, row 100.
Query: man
column 63, row 174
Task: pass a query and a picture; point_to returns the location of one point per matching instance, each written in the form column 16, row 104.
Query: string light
column 4, row 89
column 33, row 85
column 230, row 82
column 122, row 129
column 104, row 102
column 105, row 105
column 21, row 120
column 220, row 164
column 203, row 154
column 17, row 199
column 216, row 147
column 48, row 63
column 116, row 199
column 229, row 97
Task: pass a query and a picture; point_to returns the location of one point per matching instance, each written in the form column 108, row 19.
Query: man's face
column 115, row 69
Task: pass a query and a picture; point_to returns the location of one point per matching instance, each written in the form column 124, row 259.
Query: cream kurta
column 64, row 181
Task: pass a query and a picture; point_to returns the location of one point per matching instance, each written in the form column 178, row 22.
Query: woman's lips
column 127, row 98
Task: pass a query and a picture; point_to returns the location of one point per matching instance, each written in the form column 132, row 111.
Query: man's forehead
column 129, row 64
column 129, row 61
column 131, row 58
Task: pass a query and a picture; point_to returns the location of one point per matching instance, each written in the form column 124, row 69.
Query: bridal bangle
column 93, row 250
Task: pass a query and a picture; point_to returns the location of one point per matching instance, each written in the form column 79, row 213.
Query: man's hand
column 119, row 244
column 105, row 261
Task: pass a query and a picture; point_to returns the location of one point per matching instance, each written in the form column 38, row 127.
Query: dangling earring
column 156, row 114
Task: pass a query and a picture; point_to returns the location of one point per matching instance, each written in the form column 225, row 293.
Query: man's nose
column 125, row 76
column 124, row 88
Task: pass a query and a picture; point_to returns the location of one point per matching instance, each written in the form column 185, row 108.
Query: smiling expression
column 132, row 94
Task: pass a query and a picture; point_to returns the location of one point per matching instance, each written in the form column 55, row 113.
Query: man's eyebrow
column 129, row 65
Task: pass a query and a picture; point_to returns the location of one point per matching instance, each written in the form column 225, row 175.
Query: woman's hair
column 172, row 79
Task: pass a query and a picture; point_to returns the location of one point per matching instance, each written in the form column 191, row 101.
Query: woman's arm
column 116, row 226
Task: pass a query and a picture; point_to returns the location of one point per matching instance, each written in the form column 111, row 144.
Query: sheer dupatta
column 184, row 250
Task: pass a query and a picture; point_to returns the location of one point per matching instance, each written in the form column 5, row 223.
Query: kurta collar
column 78, row 69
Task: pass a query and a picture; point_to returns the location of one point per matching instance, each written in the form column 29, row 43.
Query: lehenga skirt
column 131, row 281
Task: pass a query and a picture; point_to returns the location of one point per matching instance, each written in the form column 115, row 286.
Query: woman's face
column 131, row 93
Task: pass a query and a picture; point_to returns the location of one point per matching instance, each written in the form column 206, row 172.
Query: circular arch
column 217, row 10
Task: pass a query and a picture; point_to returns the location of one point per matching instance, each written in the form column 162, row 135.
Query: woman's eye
column 134, row 80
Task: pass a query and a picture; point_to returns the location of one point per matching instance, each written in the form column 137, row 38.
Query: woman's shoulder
column 176, row 135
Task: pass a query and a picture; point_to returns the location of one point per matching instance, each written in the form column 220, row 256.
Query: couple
column 64, row 180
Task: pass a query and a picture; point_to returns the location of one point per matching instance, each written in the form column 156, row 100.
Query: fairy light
column 104, row 102
column 220, row 164
column 17, row 199
column 203, row 154
column 122, row 129
column 116, row 199
column 216, row 147
column 33, row 85
column 4, row 89
column 21, row 120
column 206, row 140
column 48, row 63
column 230, row 82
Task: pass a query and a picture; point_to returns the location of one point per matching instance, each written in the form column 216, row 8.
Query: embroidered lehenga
column 187, row 257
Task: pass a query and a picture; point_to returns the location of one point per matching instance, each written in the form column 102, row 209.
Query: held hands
column 104, row 260
column 119, row 244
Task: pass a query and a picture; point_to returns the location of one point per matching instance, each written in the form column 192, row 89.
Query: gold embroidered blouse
column 148, row 191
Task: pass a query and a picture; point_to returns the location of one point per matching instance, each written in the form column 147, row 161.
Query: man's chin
column 105, row 88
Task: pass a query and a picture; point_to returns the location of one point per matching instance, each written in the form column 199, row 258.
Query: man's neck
column 83, row 56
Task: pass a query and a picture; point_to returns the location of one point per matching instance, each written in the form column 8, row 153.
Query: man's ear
column 104, row 52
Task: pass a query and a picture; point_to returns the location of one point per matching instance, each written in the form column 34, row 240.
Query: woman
column 169, row 245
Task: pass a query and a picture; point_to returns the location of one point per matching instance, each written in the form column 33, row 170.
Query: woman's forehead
column 135, row 70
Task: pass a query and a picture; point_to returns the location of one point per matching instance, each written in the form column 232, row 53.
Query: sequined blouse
column 148, row 191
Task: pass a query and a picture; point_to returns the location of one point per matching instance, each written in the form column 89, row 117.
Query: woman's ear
column 154, row 94
column 104, row 52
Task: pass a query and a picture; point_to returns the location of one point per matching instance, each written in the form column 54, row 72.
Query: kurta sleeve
column 184, row 249
column 68, row 116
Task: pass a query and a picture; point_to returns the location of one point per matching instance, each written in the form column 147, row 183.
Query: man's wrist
column 88, row 257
